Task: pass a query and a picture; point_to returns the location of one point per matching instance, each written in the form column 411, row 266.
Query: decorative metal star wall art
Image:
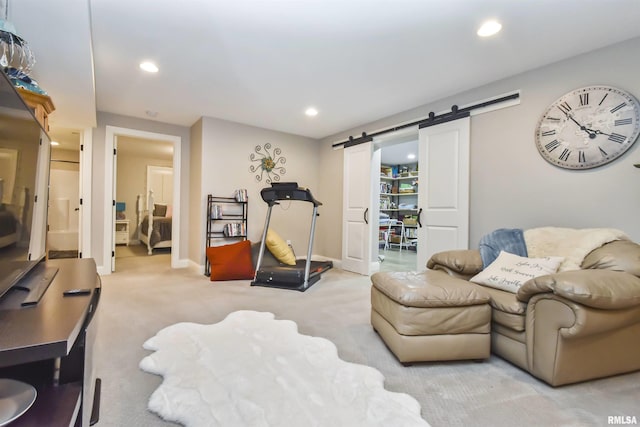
column 268, row 164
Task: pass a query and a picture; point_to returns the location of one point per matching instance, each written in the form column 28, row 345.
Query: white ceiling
column 397, row 154
column 262, row 62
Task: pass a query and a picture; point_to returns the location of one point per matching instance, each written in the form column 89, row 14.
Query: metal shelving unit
column 400, row 234
column 226, row 221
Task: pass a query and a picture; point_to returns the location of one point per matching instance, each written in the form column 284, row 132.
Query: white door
column 443, row 188
column 80, row 188
column 113, row 205
column 356, row 209
column 63, row 209
column 86, row 154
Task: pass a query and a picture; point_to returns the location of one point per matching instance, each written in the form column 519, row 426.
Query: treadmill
column 306, row 272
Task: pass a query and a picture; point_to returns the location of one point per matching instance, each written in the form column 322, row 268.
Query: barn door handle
column 419, row 213
column 366, row 211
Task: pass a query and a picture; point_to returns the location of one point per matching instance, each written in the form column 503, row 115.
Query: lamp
column 120, row 208
column 16, row 57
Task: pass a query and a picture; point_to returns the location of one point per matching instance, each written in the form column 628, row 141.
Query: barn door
column 443, row 188
column 357, row 214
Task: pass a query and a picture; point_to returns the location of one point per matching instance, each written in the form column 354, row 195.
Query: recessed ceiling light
column 149, row 67
column 411, row 156
column 311, row 112
column 55, row 143
column 489, row 28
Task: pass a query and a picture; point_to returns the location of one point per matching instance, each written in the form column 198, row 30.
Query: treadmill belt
column 291, row 276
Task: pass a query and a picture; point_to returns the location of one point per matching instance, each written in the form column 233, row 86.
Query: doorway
column 64, row 195
column 142, row 165
column 397, row 224
column 115, row 135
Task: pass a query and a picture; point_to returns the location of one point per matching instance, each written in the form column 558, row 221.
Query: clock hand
column 575, row 121
column 592, row 134
column 599, row 132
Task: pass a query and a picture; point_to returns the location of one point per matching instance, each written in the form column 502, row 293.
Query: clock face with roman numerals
column 588, row 127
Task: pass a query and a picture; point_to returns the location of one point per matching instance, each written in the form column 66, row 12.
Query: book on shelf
column 385, row 187
column 385, row 203
column 216, row 212
column 234, row 229
column 241, row 195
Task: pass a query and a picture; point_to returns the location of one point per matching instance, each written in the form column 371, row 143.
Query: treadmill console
column 287, row 191
column 285, row 185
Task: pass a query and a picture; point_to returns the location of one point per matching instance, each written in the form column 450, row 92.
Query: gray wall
column 196, row 203
column 511, row 184
column 215, row 160
column 221, row 166
column 98, row 144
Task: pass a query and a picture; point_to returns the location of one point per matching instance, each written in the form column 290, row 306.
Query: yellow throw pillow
column 279, row 248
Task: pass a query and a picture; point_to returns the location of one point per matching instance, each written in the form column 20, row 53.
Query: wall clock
column 588, row 127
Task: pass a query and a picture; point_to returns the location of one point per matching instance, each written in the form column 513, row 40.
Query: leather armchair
column 569, row 326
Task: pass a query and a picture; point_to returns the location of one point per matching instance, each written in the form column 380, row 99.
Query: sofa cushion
column 428, row 289
column 507, row 310
column 505, row 301
column 514, row 322
column 508, row 272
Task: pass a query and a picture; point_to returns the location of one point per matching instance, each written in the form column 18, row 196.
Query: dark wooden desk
column 49, row 345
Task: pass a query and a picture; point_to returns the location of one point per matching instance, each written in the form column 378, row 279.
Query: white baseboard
column 189, row 263
column 103, row 271
column 375, row 266
column 337, row 263
column 182, row 263
column 195, row 266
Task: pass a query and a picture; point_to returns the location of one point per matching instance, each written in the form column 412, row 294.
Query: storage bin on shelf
column 406, row 188
column 410, row 220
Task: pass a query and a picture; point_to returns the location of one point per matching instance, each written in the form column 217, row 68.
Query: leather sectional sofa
column 569, row 326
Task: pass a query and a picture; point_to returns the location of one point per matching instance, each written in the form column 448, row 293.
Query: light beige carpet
column 145, row 295
column 125, row 251
column 252, row 369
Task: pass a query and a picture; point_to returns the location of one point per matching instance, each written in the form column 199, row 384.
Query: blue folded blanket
column 503, row 239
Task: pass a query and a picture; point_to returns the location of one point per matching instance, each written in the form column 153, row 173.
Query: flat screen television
column 24, row 177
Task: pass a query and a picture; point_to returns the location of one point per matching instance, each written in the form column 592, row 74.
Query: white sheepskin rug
column 253, row 370
column 571, row 243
